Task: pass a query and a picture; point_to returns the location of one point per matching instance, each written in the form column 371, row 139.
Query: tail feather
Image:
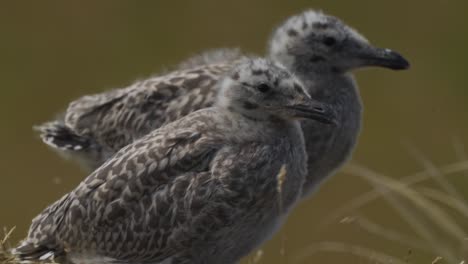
column 70, row 145
column 57, row 135
column 41, row 244
column 29, row 253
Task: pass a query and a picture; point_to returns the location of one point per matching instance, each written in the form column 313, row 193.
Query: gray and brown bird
column 320, row 49
column 202, row 189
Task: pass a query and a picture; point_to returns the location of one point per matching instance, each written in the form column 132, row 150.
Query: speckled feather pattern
column 99, row 125
column 202, row 189
column 111, row 120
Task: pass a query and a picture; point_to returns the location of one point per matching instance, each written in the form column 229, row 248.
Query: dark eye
column 263, row 87
column 329, row 41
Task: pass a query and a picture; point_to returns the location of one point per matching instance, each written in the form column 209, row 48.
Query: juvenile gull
column 202, row 189
column 319, row 48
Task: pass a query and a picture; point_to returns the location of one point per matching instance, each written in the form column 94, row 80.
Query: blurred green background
column 52, row 52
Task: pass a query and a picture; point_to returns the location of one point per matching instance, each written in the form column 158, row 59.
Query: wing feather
column 119, row 117
column 149, row 175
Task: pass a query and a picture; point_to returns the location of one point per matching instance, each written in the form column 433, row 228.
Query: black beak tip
column 327, row 117
column 401, row 64
column 398, row 62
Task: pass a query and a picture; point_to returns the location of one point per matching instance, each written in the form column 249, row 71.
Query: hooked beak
column 383, row 58
column 314, row 110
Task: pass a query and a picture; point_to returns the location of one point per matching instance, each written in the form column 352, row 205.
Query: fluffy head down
column 260, row 88
column 315, row 37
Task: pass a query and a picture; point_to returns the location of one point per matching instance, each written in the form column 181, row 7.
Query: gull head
column 264, row 90
column 317, row 42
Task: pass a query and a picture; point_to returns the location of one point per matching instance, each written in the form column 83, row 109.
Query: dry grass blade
column 432, row 211
column 5, row 247
column 281, row 178
column 446, row 199
column 338, row 247
column 376, row 229
column 451, row 202
column 434, row 172
column 5, row 250
column 257, row 257
column 7, row 235
column 370, row 196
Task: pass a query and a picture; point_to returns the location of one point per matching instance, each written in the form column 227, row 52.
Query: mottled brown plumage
column 97, row 126
column 202, row 189
column 320, row 49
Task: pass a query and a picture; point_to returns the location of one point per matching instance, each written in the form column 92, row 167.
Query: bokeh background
column 52, row 52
